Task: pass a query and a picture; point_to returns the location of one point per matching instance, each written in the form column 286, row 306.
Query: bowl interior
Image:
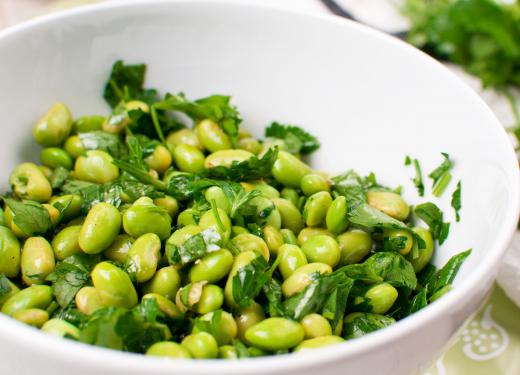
column 371, row 100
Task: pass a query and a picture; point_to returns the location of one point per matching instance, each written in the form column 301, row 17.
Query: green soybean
column 96, row 166
column 118, row 250
column 390, row 203
column 291, row 258
column 37, row 260
column 188, row 158
column 65, row 243
column 100, row 228
column 336, row 218
column 314, row 183
column 54, row 157
column 315, row 209
column 275, row 334
column 354, row 245
column 10, row 253
column 60, row 328
column 200, row 345
column 315, row 325
column 35, row 296
column 54, row 127
column 114, row 285
column 213, row 267
column 302, row 277
column 143, row 256
column 425, row 253
column 318, row 342
column 168, row 349
column 323, row 249
column 289, row 170
column 211, row 136
column 166, row 282
column 28, row 182
column 291, row 217
column 145, row 217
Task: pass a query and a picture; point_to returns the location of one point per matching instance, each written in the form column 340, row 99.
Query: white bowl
column 370, row 98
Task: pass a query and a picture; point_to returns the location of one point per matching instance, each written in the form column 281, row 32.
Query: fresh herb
column 456, row 201
column 93, row 194
column 296, row 140
column 365, row 323
column 125, row 82
column 5, row 287
column 336, row 303
column 100, row 140
column 273, row 293
column 253, row 168
column 445, row 276
column 433, row 217
column 31, row 217
column 194, row 247
column 417, row 180
column 69, row 277
column 394, row 244
column 58, row 177
column 249, row 281
column 441, row 176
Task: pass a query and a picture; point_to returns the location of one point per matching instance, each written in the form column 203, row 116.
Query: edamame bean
column 88, row 300
column 74, row 146
column 425, row 253
column 224, row 330
column 307, row 233
column 212, row 136
column 96, row 166
column 355, row 245
column 143, row 256
column 181, row 235
column 291, row 258
column 289, row 237
column 54, row 157
column 168, row 349
column 323, row 249
column 381, row 297
column 318, row 342
column 145, row 217
column 249, row 242
column 249, row 144
column 267, row 191
column 186, row 217
column 248, row 317
column 275, row 334
column 65, row 243
column 188, row 158
column 113, row 285
column 211, row 299
column 221, row 222
column 291, row 217
column 315, row 209
column 315, row 325
column 85, row 124
column 60, row 328
column 54, row 126
column 9, row 253
column 213, row 267
column 160, row 160
column 314, row 183
column 302, row 277
column 336, row 219
column 169, row 204
column 10, row 290
column 216, row 194
column 200, row 345
column 227, row 352
column 183, row 137
column 165, row 282
column 9, row 218
column 266, row 212
column 289, row 170
column 54, row 214
column 273, row 238
column 35, row 296
column 100, row 228
column 32, row 317
column 37, row 260
column 165, row 305
column 28, row 182
column 224, row 158
column 116, row 123
column 118, row 251
column 390, row 203
column 291, row 195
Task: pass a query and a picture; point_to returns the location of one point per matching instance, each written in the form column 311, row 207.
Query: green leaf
column 249, row 281
column 194, row 247
column 365, row 323
column 125, row 82
column 418, row 179
column 70, row 276
column 93, row 194
column 5, row 287
column 313, row 298
column 394, row 244
column 456, row 201
column 297, row 140
column 273, row 292
column 336, row 303
column 31, row 217
column 447, row 274
column 100, row 140
column 438, row 172
column 433, row 217
column 253, row 168
column 58, row 177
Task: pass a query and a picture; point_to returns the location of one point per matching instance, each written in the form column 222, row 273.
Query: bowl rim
column 80, row 354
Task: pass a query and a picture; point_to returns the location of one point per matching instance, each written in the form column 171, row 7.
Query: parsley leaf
column 100, row 140
column 5, row 287
column 445, row 276
column 125, row 82
column 273, row 292
column 30, row 216
column 441, row 176
column 249, row 281
column 364, row 323
column 58, row 177
column 336, row 303
column 433, row 217
column 297, row 140
column 194, row 247
column 253, row 168
column 69, row 277
column 456, row 201
column 93, row 194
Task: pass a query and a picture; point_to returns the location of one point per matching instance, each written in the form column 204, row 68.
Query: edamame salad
column 167, row 229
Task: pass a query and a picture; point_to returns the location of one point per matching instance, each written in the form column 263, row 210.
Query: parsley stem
column 216, row 215
column 442, row 184
column 156, row 124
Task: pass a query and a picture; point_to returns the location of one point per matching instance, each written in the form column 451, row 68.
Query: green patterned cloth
column 489, row 344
